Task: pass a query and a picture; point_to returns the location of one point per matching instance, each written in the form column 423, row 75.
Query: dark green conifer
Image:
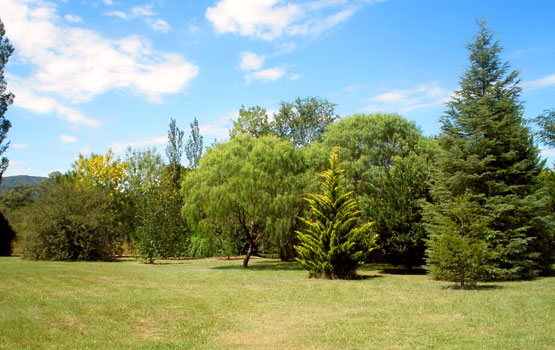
column 489, row 156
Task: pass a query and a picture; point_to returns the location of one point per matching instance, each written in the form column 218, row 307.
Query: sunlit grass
column 216, row 304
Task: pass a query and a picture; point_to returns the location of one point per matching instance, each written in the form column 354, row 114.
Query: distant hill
column 10, row 182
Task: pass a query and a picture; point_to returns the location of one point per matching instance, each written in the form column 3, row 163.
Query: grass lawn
column 216, row 304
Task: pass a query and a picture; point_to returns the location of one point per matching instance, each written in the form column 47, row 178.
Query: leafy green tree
column 249, row 187
column 71, row 221
column 20, row 196
column 161, row 232
column 142, row 174
column 193, row 148
column 546, row 122
column 457, row 250
column 6, row 98
column 303, row 120
column 388, row 164
column 489, row 156
column 332, row 246
column 252, row 121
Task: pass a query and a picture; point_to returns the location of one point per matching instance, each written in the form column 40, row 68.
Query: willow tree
column 247, row 186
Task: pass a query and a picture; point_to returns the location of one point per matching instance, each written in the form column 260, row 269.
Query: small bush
column 456, row 250
column 71, row 221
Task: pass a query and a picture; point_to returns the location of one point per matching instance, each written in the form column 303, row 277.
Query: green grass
column 216, row 304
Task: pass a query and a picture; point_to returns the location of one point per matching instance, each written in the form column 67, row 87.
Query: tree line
column 474, row 203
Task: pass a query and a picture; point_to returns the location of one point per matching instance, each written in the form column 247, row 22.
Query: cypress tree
column 490, row 157
column 333, row 245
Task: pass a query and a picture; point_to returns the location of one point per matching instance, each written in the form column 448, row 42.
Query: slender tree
column 174, row 150
column 193, row 148
column 6, row 98
column 489, row 156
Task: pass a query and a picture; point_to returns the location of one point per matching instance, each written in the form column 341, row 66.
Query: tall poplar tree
column 489, row 157
column 6, row 98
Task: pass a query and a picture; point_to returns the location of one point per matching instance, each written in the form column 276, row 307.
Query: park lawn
column 216, row 304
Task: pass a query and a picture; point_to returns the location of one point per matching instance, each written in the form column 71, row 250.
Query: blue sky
column 93, row 75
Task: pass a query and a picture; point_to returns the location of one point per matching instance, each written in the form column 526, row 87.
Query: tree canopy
column 251, row 186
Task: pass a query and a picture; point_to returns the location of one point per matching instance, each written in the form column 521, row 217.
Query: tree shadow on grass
column 470, row 288
column 264, row 266
column 403, row 271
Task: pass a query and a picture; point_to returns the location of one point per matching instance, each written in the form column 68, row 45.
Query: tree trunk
column 249, row 252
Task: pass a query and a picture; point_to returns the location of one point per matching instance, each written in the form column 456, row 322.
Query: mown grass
column 216, row 304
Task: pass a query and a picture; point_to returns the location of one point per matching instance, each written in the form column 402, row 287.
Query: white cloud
column 18, row 145
column 265, row 75
column 145, row 12
column 159, row 25
column 73, row 19
column 137, row 11
column 27, row 99
column 71, row 65
column 108, row 2
column 68, row 139
column 119, row 14
column 141, row 11
column 271, row 19
column 120, row 147
column 418, row 97
column 250, row 61
column 295, row 76
column 541, row 83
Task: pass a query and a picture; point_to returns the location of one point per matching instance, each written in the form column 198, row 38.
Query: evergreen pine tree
column 489, row 155
column 332, row 246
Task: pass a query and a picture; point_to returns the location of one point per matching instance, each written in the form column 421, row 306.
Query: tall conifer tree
column 489, row 156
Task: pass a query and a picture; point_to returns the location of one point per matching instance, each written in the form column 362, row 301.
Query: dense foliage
column 457, row 249
column 474, row 203
column 249, row 187
column 332, row 246
column 388, row 164
column 71, row 221
column 489, row 157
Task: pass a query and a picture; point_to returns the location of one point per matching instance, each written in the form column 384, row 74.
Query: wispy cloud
column 147, row 14
column 72, row 65
column 266, row 75
column 405, row 100
column 68, row 139
column 541, row 83
column 272, row 19
column 73, row 19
